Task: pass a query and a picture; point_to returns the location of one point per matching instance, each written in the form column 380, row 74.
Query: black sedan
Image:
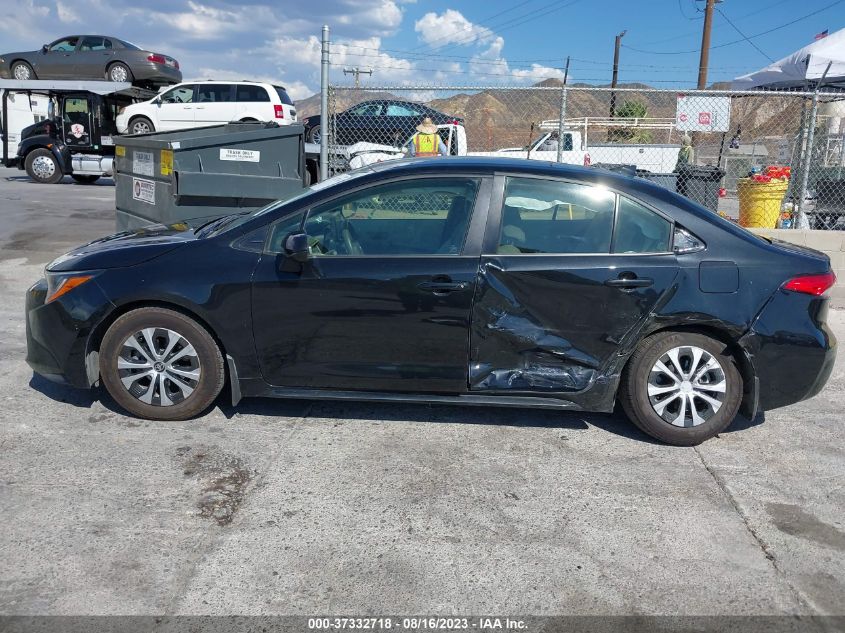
column 454, row 280
column 92, row 57
column 382, row 121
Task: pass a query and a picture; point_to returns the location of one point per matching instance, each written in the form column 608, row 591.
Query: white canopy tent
column 802, row 69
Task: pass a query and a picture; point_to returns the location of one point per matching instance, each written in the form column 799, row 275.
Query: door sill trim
column 473, row 399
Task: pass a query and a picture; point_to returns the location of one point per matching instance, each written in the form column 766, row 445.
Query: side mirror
column 45, row 48
column 296, row 247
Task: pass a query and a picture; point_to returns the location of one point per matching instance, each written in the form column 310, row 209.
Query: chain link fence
column 763, row 159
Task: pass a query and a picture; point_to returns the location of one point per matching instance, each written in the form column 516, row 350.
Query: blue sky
column 434, row 42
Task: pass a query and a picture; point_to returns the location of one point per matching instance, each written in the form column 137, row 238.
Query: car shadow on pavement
column 82, row 398
column 615, row 423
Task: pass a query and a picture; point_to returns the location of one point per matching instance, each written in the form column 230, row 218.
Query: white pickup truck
column 656, row 158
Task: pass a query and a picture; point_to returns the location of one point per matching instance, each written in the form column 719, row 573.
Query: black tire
column 43, row 167
column 634, row 395
column 85, row 180
column 117, row 69
column 141, row 125
column 313, row 134
column 24, row 68
column 209, row 361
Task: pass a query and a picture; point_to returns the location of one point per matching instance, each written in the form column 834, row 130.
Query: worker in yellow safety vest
column 427, row 142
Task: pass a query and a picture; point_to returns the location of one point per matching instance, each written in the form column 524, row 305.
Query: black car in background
column 92, row 57
column 383, row 121
column 453, row 280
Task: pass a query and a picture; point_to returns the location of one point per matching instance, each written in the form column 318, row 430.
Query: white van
column 24, row 110
column 204, row 103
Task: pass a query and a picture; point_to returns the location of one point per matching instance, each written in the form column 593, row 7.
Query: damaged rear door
column 569, row 276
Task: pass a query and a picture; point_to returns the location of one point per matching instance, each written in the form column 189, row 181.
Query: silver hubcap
column 315, row 136
column 159, row 367
column 140, row 127
column 43, row 167
column 687, row 386
column 118, row 73
column 21, row 73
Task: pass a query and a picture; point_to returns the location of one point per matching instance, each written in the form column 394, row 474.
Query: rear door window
column 94, row 44
column 555, row 217
column 251, row 94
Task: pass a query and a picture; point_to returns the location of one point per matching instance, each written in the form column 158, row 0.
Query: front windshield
column 315, row 188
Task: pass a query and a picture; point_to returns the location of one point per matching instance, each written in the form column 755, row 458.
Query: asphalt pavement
column 298, row 507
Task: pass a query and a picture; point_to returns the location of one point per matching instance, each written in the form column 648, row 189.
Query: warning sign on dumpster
column 703, row 114
column 144, row 190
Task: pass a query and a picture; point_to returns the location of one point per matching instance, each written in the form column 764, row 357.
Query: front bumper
column 58, row 333
column 791, row 348
column 122, row 123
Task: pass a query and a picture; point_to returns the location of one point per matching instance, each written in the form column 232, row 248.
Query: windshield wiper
column 215, row 225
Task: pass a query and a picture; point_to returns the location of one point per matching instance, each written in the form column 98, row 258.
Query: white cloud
column 66, row 13
column 451, row 27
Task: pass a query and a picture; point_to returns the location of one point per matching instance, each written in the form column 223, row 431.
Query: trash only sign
column 703, row 114
column 144, row 190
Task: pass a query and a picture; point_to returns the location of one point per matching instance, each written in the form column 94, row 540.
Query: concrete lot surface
column 300, row 508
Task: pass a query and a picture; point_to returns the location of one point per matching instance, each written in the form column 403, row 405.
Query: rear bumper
column 57, row 333
column 157, row 73
column 791, row 348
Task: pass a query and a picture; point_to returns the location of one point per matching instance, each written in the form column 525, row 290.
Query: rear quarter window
column 252, row 94
column 283, row 95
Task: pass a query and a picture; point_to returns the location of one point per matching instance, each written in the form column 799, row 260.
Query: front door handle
column 442, row 287
column 629, row 282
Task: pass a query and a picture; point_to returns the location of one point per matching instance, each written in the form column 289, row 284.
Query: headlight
column 59, row 284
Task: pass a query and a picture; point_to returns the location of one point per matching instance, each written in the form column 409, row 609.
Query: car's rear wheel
column 85, row 180
column 141, row 125
column 43, row 167
column 119, row 72
column 681, row 387
column 314, row 134
column 23, row 71
column 161, row 364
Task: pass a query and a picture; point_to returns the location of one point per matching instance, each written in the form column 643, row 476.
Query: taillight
column 176, row 64
column 280, row 111
column 156, row 59
column 811, row 284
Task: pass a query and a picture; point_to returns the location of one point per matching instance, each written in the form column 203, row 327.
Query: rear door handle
column 629, row 282
column 438, row 287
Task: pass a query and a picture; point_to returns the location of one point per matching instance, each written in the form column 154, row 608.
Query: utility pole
column 357, row 72
column 615, row 73
column 705, row 43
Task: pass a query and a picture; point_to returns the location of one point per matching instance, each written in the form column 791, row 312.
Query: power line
column 772, row 30
column 735, row 28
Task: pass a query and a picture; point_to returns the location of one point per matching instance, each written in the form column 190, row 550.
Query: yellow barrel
column 760, row 202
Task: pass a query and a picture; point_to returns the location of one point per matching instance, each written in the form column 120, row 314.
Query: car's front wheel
column 23, row 71
column 681, row 387
column 141, row 125
column 42, row 166
column 161, row 364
